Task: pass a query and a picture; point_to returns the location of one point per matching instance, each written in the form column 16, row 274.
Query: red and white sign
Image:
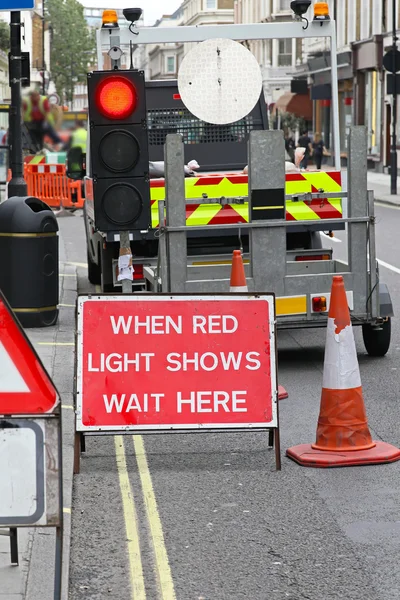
column 25, row 387
column 176, row 362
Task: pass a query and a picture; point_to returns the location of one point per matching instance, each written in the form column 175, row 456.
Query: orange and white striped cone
column 238, row 278
column 343, row 436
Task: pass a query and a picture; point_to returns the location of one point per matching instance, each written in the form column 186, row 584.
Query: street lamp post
column 17, row 185
column 43, row 54
column 393, row 151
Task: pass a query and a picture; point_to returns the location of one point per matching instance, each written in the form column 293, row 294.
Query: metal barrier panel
column 271, row 269
column 358, row 207
column 267, row 201
column 176, row 212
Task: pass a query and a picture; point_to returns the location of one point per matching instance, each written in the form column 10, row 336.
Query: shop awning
column 299, row 105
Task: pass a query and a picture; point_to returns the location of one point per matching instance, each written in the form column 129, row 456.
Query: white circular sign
column 220, row 81
column 54, row 99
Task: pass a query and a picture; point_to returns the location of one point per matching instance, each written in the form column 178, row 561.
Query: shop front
column 369, row 98
column 321, row 95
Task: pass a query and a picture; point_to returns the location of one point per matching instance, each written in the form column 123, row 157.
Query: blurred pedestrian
column 318, row 150
column 38, row 119
column 305, row 142
column 76, row 151
column 3, row 151
column 290, row 146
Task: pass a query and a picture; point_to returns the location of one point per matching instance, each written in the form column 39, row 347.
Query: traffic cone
column 343, row 437
column 238, row 278
column 282, row 393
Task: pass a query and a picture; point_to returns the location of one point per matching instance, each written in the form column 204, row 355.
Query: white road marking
column 388, row 266
column 75, row 264
column 387, row 205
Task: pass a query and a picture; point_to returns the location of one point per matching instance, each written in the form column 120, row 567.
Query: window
column 284, row 5
column 170, row 64
column 285, row 52
column 211, row 4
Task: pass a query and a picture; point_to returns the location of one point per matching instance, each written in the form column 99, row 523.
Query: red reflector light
column 313, row 257
column 116, row 97
column 176, row 96
column 138, row 272
column 319, row 304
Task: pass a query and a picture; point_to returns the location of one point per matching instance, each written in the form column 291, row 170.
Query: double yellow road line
column 164, row 576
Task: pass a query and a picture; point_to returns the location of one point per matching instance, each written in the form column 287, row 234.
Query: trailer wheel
column 94, row 271
column 377, row 341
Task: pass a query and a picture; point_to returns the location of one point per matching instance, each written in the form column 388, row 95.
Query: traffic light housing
column 119, row 154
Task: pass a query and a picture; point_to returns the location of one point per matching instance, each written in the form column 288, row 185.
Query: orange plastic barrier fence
column 50, row 184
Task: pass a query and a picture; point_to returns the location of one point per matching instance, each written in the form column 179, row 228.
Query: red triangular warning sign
column 25, row 386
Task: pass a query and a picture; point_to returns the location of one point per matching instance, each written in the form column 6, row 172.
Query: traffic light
column 119, row 155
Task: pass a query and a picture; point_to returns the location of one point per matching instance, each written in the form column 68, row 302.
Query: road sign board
column 18, row 5
column 161, row 362
column 25, row 386
column 30, row 466
column 54, row 98
column 388, row 61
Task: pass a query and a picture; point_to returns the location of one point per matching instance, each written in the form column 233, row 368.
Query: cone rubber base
column 282, row 393
column 306, row 456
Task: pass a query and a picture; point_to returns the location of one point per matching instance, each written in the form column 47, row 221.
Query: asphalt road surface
column 207, row 516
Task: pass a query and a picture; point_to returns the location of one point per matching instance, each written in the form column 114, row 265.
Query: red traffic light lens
column 116, row 97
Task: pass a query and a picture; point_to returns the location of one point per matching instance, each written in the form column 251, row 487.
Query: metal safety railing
column 268, row 228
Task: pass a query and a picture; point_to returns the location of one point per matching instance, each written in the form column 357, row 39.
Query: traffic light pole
column 393, row 151
column 125, row 249
column 17, row 185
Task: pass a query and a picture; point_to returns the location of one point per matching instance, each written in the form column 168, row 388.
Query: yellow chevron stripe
column 297, row 187
column 322, row 180
column 203, row 214
column 300, row 211
column 242, row 210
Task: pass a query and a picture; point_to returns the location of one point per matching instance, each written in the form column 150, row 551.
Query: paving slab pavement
column 379, row 183
column 33, row 578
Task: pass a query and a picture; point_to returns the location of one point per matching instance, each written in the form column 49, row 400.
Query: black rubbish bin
column 29, row 260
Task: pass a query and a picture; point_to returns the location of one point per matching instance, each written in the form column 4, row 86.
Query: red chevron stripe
column 294, row 177
column 227, row 214
column 238, row 179
column 336, row 176
column 209, row 180
column 324, row 209
column 157, row 183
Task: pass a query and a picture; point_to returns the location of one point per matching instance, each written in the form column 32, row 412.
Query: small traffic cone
column 282, row 393
column 343, row 436
column 238, row 278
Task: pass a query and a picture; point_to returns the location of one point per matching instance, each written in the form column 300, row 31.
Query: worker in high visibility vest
column 76, row 156
column 38, row 118
column 79, row 137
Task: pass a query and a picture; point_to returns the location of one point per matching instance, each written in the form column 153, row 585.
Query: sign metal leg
column 271, row 438
column 14, row 545
column 58, row 563
column 277, row 444
column 77, row 453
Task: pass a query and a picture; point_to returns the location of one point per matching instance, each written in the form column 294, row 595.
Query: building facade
column 364, row 29
column 278, row 58
column 162, row 61
column 37, row 42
